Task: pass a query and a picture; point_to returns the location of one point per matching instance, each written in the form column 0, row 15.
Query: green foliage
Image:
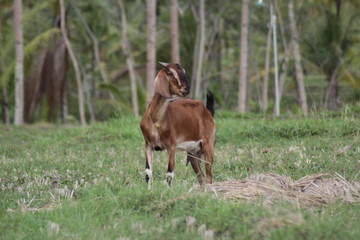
column 326, row 39
column 331, row 35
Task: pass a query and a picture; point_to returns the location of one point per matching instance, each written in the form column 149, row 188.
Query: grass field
column 88, row 183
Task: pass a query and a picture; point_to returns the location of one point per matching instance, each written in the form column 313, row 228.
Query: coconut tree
column 19, row 68
column 297, row 59
column 75, row 64
column 151, row 47
column 174, row 26
column 243, row 76
column 329, row 40
column 201, row 49
column 129, row 59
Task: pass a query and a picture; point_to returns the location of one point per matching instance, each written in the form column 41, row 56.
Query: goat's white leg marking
column 170, row 175
column 149, row 160
column 169, row 178
column 171, row 166
column 148, row 173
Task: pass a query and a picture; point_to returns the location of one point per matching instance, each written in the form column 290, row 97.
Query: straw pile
column 311, row 190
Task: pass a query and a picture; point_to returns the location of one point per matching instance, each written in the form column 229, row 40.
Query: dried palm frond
column 309, row 191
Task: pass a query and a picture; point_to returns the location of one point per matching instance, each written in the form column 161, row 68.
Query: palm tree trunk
column 5, row 106
column 76, row 66
column 175, row 53
column 87, row 90
column 243, row 81
column 19, row 67
column 129, row 60
column 64, row 108
column 265, row 89
column 201, row 50
column 331, row 98
column 297, row 57
column 151, row 47
column 287, row 51
column 196, row 53
column 63, row 96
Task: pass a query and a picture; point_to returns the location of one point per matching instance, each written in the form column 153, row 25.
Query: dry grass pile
column 310, row 190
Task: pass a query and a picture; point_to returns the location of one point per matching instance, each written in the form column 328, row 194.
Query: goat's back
column 191, row 118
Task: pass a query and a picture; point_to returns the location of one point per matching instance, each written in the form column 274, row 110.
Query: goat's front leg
column 171, row 166
column 149, row 160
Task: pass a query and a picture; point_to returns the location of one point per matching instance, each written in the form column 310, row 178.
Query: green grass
column 102, row 168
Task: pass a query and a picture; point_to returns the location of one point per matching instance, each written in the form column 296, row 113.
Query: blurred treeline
column 328, row 34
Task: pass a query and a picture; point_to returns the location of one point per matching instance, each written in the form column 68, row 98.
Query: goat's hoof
column 168, row 181
column 169, row 178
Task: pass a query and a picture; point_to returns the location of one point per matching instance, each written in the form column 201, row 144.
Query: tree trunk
column 332, row 91
column 287, row 50
column 297, row 58
column 195, row 55
column 63, row 80
column 76, row 66
column 151, row 47
column 331, row 99
column 88, row 96
column 5, row 106
column 243, row 81
column 284, row 68
column 64, row 108
column 129, row 60
column 201, row 50
column 265, row 89
column 175, row 53
column 281, row 25
column 19, row 67
column 218, row 57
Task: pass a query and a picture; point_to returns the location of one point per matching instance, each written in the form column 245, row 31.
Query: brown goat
column 173, row 122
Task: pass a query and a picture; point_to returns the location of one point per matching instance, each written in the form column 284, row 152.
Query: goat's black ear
column 164, row 64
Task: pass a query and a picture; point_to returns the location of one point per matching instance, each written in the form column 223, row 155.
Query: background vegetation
column 328, row 33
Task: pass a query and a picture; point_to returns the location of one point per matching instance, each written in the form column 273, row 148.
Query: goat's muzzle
column 186, row 91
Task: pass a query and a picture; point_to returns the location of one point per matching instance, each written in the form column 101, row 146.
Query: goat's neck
column 158, row 107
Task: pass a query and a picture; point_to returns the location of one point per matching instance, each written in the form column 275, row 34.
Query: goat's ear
column 164, row 64
column 162, row 86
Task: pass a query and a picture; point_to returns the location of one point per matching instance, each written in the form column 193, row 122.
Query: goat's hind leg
column 149, row 154
column 171, row 166
column 195, row 163
column 209, row 159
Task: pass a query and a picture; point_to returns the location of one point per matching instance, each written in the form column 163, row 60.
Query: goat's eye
column 170, row 74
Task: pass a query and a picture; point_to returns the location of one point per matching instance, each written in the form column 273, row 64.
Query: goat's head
column 171, row 80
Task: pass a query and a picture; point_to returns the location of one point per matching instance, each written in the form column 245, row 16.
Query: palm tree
column 330, row 43
column 19, row 67
column 151, row 47
column 297, row 58
column 75, row 63
column 243, row 75
column 201, row 49
column 175, row 53
column 129, row 59
column 265, row 89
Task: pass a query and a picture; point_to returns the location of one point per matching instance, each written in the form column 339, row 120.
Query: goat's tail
column 210, row 102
